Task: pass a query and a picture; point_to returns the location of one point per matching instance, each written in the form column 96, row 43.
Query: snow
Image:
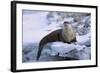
column 35, row 27
column 69, row 19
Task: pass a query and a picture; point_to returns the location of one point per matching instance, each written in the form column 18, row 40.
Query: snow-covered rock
column 79, row 50
column 84, row 40
column 69, row 50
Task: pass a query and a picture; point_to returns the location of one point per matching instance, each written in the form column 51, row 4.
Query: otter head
column 68, row 32
column 66, row 25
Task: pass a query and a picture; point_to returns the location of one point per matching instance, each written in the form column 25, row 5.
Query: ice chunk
column 84, row 40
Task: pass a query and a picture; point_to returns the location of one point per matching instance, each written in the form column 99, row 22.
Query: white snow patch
column 33, row 25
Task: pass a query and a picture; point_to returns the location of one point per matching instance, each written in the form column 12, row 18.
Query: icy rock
column 61, row 47
column 70, row 50
column 54, row 53
column 84, row 25
column 69, row 19
column 81, row 55
column 84, row 40
column 29, row 52
column 65, row 48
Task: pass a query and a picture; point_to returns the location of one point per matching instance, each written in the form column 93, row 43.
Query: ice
column 63, row 48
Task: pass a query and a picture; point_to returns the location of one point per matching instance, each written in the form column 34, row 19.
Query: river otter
column 66, row 35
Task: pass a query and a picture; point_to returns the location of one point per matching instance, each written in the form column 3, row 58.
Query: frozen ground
column 36, row 26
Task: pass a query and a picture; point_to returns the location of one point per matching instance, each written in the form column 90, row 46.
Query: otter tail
column 41, row 45
column 39, row 51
